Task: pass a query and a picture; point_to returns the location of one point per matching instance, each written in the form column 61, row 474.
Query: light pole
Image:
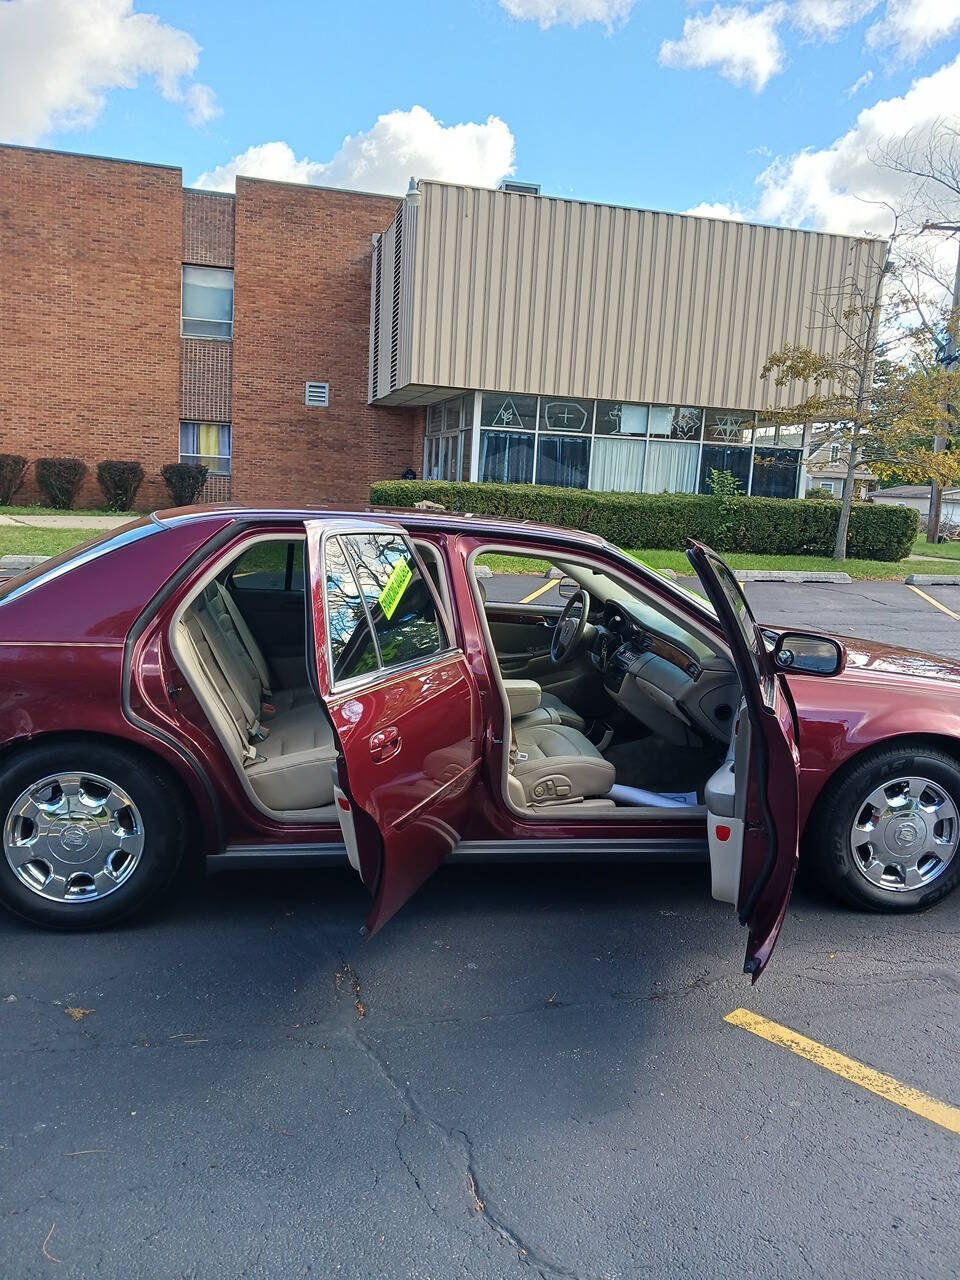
column 947, row 359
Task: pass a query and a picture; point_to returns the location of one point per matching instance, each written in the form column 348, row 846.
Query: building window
column 206, row 300
column 208, row 443
column 825, row 484
column 609, row 445
column 446, row 447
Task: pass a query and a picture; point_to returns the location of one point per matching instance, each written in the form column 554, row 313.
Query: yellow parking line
column 552, row 582
column 936, row 603
column 921, row 1104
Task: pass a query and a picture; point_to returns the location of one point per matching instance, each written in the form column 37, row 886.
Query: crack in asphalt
column 459, row 1148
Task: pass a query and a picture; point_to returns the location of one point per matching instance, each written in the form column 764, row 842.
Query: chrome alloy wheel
column 905, row 834
column 73, row 837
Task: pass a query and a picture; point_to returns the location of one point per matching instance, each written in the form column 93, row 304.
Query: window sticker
column 394, row 588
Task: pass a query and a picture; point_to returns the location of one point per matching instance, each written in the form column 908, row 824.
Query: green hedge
column 664, row 521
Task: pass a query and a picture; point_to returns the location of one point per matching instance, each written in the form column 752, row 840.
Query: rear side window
column 397, row 597
column 272, row 565
column 352, row 648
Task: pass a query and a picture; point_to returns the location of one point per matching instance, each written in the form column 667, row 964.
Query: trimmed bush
column 185, row 480
column 664, row 521
column 12, row 467
column 60, row 480
column 119, row 482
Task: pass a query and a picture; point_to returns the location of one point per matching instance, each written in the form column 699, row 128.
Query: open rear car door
column 402, row 701
column 752, row 801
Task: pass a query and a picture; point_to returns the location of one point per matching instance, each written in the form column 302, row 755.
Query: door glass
column 352, row 649
column 400, row 603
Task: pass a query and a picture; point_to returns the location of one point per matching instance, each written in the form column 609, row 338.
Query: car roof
column 444, row 521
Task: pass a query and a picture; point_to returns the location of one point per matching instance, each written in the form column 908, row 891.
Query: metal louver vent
column 317, row 395
column 395, row 316
column 375, row 336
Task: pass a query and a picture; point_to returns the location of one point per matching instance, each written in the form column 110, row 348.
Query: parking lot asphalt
column 528, row 1073
column 888, row 611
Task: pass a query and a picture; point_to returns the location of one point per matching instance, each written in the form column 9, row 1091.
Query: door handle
column 385, row 743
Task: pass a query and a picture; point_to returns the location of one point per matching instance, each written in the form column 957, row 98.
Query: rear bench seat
column 280, row 740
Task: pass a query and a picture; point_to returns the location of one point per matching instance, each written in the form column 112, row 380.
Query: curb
column 17, row 564
column 932, row 579
column 790, row 575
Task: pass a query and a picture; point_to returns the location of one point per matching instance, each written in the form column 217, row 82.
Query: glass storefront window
column 675, row 422
column 671, row 468
column 618, row 464
column 732, row 458
column 790, row 437
column 564, row 461
column 434, row 419
column 506, row 457
column 615, row 418
column 728, row 426
column 775, row 473
column 566, row 416
column 507, row 412
column 765, row 433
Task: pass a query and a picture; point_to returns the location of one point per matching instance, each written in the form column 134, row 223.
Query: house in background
column 917, row 497
column 827, row 467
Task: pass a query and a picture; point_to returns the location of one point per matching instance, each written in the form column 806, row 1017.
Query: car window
column 272, row 565
column 352, row 648
column 401, row 605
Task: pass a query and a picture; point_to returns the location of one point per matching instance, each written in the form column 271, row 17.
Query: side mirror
column 808, row 654
column 568, row 588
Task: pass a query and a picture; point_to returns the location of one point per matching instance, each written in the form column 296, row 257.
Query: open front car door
column 752, row 800
column 402, row 701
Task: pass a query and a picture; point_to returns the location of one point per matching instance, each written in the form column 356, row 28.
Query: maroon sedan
column 292, row 687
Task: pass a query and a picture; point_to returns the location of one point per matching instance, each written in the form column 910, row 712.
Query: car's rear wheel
column 886, row 836
column 91, row 832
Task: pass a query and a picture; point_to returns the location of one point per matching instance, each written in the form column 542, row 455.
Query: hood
column 873, row 658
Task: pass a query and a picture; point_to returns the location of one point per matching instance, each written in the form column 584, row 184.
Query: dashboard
column 669, row 685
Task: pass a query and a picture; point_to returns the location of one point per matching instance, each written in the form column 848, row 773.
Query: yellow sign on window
column 394, row 588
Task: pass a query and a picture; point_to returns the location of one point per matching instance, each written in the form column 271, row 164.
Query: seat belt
column 249, row 753
column 247, row 639
column 213, row 638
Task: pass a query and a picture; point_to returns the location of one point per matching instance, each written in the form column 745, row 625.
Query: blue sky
column 632, row 108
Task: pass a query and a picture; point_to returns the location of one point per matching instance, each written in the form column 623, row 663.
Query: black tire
column 155, row 794
column 827, row 848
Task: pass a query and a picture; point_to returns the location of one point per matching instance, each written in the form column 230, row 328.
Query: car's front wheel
column 886, row 836
column 91, row 832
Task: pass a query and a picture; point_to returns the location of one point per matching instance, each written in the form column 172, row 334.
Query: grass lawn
column 24, row 540
column 55, row 511
column 942, row 550
column 678, row 562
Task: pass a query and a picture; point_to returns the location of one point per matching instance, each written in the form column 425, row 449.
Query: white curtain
column 671, row 468
column 617, row 464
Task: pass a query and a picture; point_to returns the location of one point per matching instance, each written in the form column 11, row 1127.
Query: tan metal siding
column 560, row 297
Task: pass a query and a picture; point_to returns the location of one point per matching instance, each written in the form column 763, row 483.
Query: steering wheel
column 570, row 627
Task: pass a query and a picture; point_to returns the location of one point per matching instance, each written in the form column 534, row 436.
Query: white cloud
column 726, row 212
column 60, row 58
column 828, row 18
column 860, row 83
column 912, row 26
column 743, row 44
column 401, row 145
column 549, row 13
column 830, row 188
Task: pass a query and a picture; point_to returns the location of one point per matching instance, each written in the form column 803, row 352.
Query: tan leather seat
column 530, row 705
column 281, row 741
column 554, row 763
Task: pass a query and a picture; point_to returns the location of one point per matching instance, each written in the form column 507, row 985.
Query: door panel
column 765, row 815
column 522, row 635
column 403, row 703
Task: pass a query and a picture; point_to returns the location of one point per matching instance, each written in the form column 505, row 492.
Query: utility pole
column 947, row 359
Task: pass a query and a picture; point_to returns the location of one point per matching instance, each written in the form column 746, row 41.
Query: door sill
column 585, row 849
column 253, row 857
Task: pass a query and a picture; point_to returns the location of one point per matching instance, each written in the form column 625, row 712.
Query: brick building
column 100, row 358
column 303, row 341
